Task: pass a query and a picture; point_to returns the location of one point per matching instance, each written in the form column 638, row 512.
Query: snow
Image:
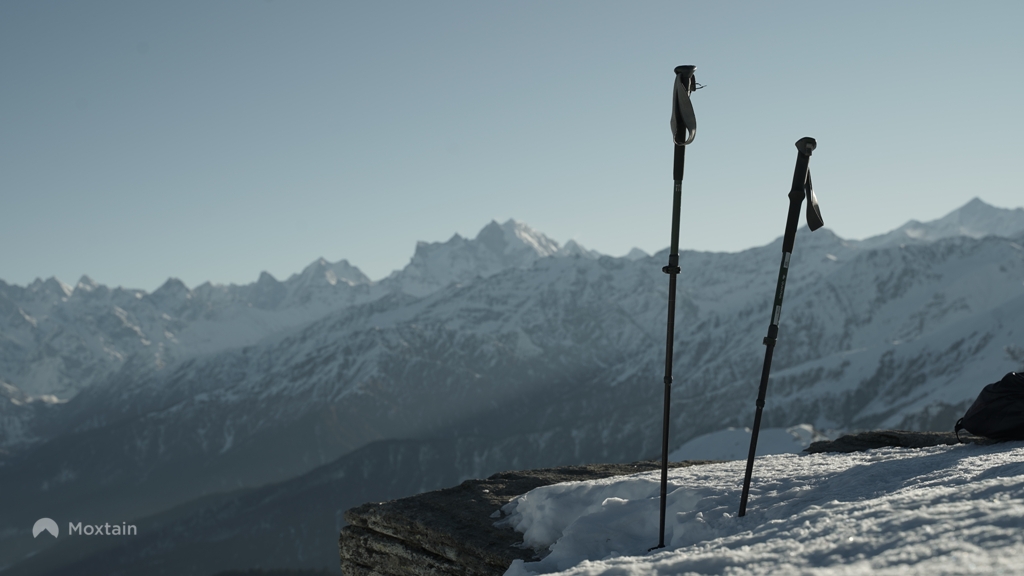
column 941, row 510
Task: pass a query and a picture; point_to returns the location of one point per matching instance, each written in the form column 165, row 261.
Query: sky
column 210, row 141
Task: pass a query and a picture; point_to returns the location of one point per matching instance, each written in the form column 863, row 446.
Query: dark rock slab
column 451, row 531
column 282, row 572
column 861, row 441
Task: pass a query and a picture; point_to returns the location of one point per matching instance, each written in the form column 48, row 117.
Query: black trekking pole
column 684, row 128
column 801, row 188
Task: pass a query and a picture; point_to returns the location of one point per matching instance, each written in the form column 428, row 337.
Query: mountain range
column 238, row 422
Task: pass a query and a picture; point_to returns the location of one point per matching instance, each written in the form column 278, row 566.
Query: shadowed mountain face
column 524, row 354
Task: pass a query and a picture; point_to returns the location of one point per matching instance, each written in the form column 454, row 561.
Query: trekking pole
column 684, row 128
column 801, row 187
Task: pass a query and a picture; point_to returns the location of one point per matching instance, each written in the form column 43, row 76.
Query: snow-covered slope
column 944, row 510
column 58, row 339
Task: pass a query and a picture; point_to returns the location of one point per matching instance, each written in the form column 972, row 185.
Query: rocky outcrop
column 871, row 439
column 451, row 531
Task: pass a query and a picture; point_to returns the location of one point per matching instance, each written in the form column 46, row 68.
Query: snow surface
column 941, row 510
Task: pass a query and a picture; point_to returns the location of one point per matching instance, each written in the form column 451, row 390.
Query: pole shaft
column 766, row 368
column 796, row 197
column 672, row 270
column 666, row 418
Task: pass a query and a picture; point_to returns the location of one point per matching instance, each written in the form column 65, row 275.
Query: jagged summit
column 974, row 219
column 54, row 287
column 637, row 254
column 171, row 297
column 576, row 250
column 173, row 286
column 977, row 219
column 322, row 271
column 495, row 248
column 86, row 284
column 513, row 237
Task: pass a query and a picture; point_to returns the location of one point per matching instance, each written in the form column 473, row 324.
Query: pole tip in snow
column 806, row 145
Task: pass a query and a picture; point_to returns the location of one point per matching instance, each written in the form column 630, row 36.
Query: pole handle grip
column 684, row 121
column 805, row 146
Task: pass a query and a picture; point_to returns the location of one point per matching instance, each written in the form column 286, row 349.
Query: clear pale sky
column 214, row 140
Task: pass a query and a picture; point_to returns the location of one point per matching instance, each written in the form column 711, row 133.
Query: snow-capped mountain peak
column 321, row 271
column 85, row 284
column 515, row 240
column 173, row 287
column 637, row 254
column 976, row 219
column 51, row 287
column 574, row 249
column 496, row 247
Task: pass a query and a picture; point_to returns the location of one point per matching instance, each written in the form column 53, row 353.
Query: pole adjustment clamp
column 768, row 341
column 673, row 265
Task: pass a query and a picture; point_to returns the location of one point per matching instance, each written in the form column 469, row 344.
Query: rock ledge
column 451, row 531
column 871, row 439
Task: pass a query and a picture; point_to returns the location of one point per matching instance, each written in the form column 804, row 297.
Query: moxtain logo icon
column 47, row 525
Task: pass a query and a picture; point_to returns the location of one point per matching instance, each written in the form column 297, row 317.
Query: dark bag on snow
column 998, row 413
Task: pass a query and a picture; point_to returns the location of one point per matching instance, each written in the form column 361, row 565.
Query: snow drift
column 940, row 510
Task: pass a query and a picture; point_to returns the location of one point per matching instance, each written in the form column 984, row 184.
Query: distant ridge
column 976, row 219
